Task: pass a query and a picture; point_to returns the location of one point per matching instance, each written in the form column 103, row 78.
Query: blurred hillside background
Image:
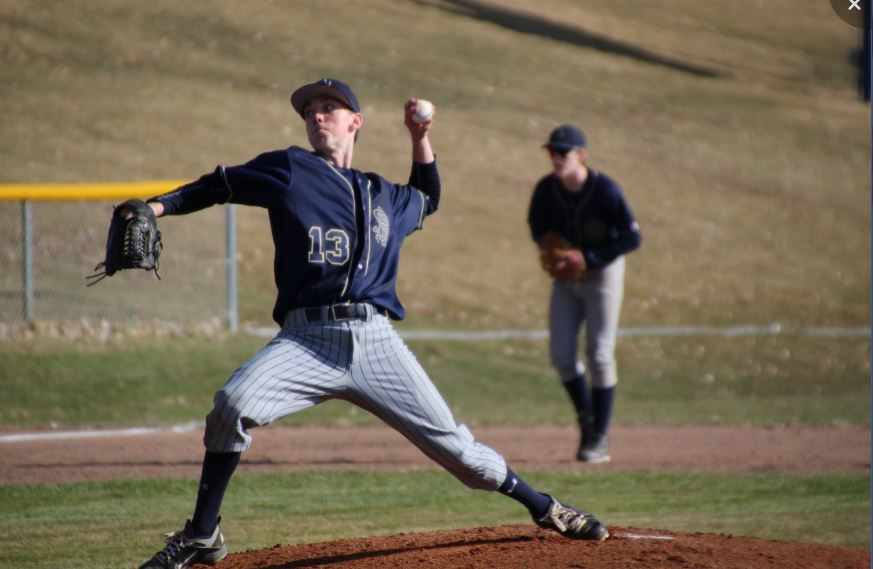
column 735, row 128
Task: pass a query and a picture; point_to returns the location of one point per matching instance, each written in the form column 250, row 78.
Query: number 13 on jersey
column 332, row 246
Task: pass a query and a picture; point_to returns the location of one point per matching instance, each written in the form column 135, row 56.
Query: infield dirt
column 676, row 449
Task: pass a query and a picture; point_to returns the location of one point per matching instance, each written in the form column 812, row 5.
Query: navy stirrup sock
column 601, row 401
column 578, row 392
column 218, row 467
column 517, row 489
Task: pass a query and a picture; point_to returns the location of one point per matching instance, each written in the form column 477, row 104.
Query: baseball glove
column 134, row 241
column 559, row 258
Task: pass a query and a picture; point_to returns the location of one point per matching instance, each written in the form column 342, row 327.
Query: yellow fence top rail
column 86, row 191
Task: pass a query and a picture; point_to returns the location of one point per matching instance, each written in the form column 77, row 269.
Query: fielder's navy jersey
column 337, row 231
column 596, row 219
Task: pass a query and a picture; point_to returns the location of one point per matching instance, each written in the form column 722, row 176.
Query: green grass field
column 759, row 381
column 91, row 526
column 751, row 183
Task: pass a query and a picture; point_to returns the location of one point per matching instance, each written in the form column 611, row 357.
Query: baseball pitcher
column 337, row 233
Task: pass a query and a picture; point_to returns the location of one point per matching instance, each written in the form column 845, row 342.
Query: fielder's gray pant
column 594, row 300
column 362, row 361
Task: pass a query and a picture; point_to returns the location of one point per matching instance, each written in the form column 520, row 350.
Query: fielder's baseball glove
column 134, row 241
column 559, row 258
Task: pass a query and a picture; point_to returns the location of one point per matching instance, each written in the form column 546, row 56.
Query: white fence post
column 27, row 258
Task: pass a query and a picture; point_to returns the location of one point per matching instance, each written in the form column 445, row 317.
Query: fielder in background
column 583, row 228
column 337, row 233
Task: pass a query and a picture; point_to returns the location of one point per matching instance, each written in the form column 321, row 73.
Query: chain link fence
column 67, row 240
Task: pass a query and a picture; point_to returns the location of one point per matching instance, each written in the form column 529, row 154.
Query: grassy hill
column 734, row 128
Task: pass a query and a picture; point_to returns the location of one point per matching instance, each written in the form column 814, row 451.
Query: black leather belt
column 341, row 312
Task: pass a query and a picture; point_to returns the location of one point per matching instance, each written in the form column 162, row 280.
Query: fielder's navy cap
column 566, row 137
column 325, row 87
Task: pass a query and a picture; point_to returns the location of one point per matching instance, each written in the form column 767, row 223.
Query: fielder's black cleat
column 594, row 452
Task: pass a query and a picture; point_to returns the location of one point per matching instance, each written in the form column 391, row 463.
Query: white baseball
column 423, row 111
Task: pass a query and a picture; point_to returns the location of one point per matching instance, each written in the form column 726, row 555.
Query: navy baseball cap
column 566, row 137
column 327, row 88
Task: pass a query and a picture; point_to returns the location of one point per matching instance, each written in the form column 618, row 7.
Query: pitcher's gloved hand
column 134, row 241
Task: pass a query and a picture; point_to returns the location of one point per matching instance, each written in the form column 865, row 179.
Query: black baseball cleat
column 183, row 550
column 594, row 452
column 572, row 523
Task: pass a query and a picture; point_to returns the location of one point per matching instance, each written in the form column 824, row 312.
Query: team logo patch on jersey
column 383, row 226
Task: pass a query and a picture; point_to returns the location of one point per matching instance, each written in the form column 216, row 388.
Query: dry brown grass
column 752, row 188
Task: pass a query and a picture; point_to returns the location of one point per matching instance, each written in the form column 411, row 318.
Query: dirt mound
column 515, row 547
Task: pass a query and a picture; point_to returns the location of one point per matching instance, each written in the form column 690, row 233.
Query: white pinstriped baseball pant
column 363, row 361
column 596, row 301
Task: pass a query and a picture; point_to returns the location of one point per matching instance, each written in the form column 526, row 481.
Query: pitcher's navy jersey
column 337, row 231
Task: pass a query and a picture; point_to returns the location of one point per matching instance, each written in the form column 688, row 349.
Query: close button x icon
column 855, row 5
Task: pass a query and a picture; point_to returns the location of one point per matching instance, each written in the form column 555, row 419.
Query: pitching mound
column 525, row 546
